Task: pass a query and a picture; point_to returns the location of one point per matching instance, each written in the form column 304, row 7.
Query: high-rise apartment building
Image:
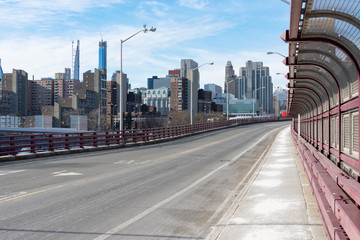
column 111, row 103
column 96, row 81
column 64, row 88
column 41, row 93
column 102, row 54
column 14, row 93
column 179, row 98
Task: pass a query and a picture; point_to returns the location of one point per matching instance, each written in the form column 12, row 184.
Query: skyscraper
column 102, row 54
column 76, row 62
column 256, row 82
column 230, row 79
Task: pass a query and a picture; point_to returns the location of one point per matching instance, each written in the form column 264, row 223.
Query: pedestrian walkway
column 277, row 203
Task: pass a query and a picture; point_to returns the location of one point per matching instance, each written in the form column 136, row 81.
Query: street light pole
column 191, row 91
column 145, row 30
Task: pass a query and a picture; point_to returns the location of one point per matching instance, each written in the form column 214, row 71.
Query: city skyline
column 201, row 30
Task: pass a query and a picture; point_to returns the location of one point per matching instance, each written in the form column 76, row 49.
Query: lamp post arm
column 202, row 65
column 122, row 41
column 269, row 53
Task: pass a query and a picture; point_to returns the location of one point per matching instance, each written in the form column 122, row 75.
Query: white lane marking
column 11, row 195
column 68, row 174
column 65, row 173
column 144, row 162
column 3, row 173
column 59, row 172
column 131, row 161
column 163, row 202
column 120, row 162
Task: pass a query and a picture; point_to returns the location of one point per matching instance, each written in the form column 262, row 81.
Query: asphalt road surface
column 173, row 190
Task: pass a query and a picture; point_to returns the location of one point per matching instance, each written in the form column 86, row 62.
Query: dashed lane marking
column 4, row 173
column 65, row 173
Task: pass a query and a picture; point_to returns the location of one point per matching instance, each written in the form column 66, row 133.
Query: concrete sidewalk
column 277, row 203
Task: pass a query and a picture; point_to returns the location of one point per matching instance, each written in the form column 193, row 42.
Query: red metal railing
column 337, row 195
column 17, row 144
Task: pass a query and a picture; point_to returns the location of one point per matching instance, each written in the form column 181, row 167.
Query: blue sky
column 36, row 35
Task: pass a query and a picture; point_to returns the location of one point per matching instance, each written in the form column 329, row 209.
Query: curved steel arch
column 328, row 71
column 304, row 107
column 312, row 107
column 318, row 82
column 318, row 77
column 296, row 105
column 312, row 90
column 336, row 15
column 309, row 108
column 327, row 40
column 336, row 60
column 322, row 67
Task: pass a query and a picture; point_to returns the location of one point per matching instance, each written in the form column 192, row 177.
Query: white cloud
column 25, row 12
column 195, row 4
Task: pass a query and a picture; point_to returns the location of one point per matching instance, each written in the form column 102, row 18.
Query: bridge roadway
column 173, row 190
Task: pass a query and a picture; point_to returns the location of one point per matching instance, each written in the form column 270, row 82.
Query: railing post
column 81, row 139
column 67, row 141
column 32, row 142
column 12, row 146
column 144, row 132
column 118, row 137
column 94, row 139
column 134, row 136
column 107, row 138
column 124, row 137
